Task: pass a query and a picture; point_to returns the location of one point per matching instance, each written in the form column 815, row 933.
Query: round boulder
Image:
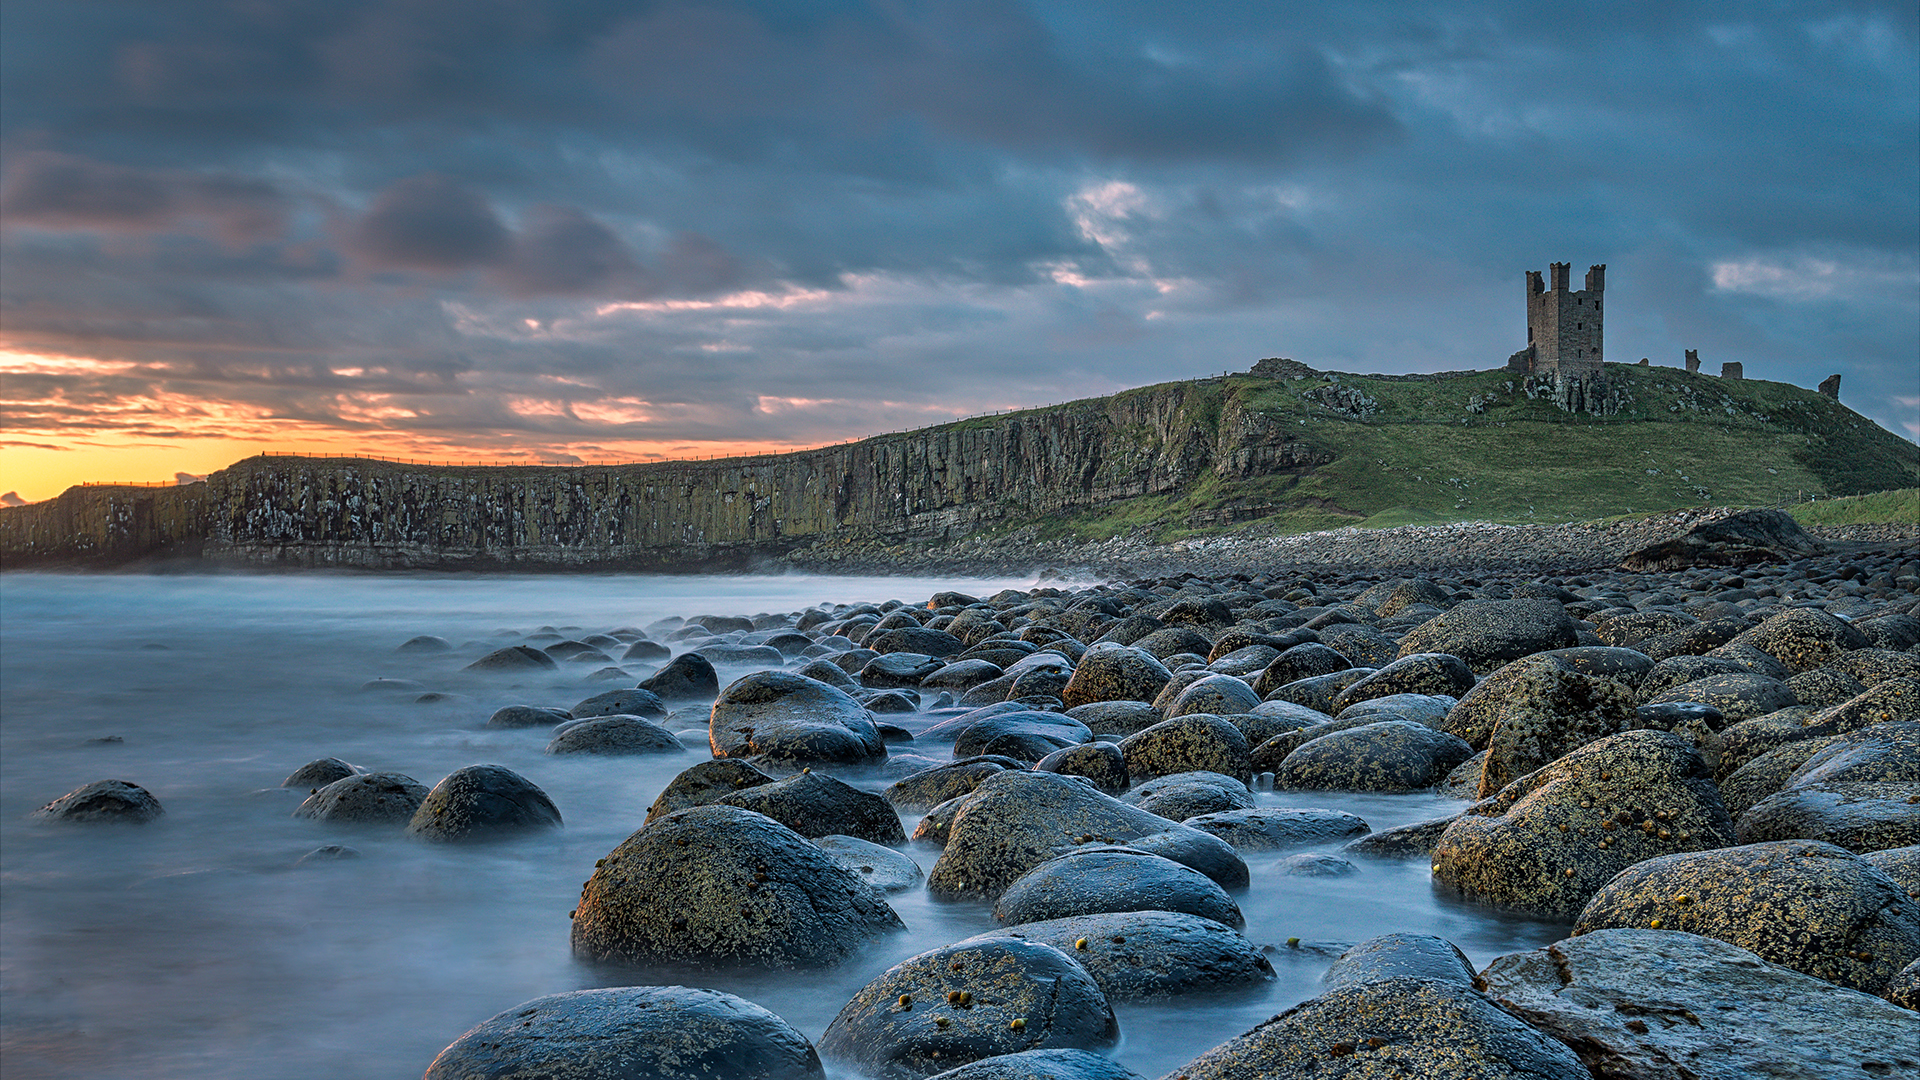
column 629, row 702
column 318, row 773
column 1195, row 743
column 968, row 1001
column 918, row 792
column 379, row 798
column 104, row 801
column 1179, row 796
column 1114, row 672
column 1802, row 904
column 526, row 716
column 1391, row 755
column 789, row 719
column 1101, row 763
column 482, row 802
column 1392, row 956
column 614, row 735
column 814, row 805
column 1040, row 1065
column 722, row 886
column 1151, row 954
column 1804, row 638
column 1548, row 711
column 1113, row 879
column 709, row 781
column 1859, row 816
column 1739, row 696
column 632, row 1033
column 1488, row 633
column 1272, row 828
column 1417, row 673
column 881, row 867
column 514, row 658
column 1220, row 695
column 687, row 677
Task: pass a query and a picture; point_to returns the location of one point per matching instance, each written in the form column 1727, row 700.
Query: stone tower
column 1565, row 345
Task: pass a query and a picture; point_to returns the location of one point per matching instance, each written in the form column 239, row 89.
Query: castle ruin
column 1565, row 343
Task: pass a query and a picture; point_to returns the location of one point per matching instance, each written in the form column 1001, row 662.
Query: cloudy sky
column 614, row 229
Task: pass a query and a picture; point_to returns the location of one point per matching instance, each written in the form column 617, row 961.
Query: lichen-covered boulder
column 1858, row 816
column 1418, row 673
column 1120, row 718
column 1179, row 796
column 1656, row 1003
column 899, row 670
column 1101, row 763
column 1766, row 774
column 1114, row 672
column 1804, row 638
column 1303, row 661
column 1318, row 691
column 721, row 886
column 482, row 802
column 614, row 735
column 709, row 781
column 1391, row 755
column 632, row 1033
column 1151, row 953
column 1488, row 633
column 1408, row 1027
column 106, row 801
column 1627, row 666
column 373, row 798
column 1879, row 752
column 1904, row 989
column 1824, row 687
column 815, row 804
column 790, row 720
column 1428, row 709
column 918, row 792
column 964, row 1002
column 1197, row 743
column 1902, row 864
column 1102, row 879
column 1740, row 696
column 1509, row 687
column 318, row 773
column 1547, row 842
column 1873, row 665
column 1014, row 821
column 1172, row 640
column 1219, row 695
column 1803, row 904
column 959, row 675
column 916, row 639
column 1400, row 955
column 1549, row 711
column 1273, row 828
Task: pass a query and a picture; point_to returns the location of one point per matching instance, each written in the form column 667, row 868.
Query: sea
column 195, row 947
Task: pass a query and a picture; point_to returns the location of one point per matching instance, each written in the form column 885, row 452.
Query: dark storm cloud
column 803, row 220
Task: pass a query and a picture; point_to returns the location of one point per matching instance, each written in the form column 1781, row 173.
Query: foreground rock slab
column 632, row 1033
column 1400, row 1027
column 1662, row 1005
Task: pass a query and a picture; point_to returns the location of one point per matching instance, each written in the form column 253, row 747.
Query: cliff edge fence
column 1300, row 448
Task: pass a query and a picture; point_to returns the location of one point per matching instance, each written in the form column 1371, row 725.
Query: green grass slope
column 1473, row 446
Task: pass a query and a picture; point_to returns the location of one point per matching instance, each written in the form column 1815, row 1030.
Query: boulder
column 1163, row 643
column 1803, row 904
column 1824, row 687
column 632, row 701
column 1804, row 638
column 1040, row 1065
column 526, row 716
column 1547, row 842
column 1665, row 1005
column 1877, row 753
column 1400, row 955
column 1767, row 773
column 1391, row 755
column 957, row 675
column 1016, row 820
column 614, row 735
column 1195, row 743
column 1102, row 879
column 1418, row 673
column 1317, row 692
column 919, row 792
column 709, row 781
column 1120, row 718
column 917, row 639
column 1027, row 735
column 1738, row 539
column 632, row 1033
column 1179, row 796
column 1488, row 633
column 687, row 677
column 814, row 805
column 1302, row 661
column 1400, row 842
column 107, row 801
column 1902, row 864
column 1270, row 828
column 374, row 798
column 722, row 886
column 1315, row 864
column 1433, row 1029
column 1428, row 709
column 1364, row 645
column 1547, row 712
column 882, row 867
column 899, row 670
column 482, row 802
column 1147, row 954
column 514, row 658
column 964, row 1002
column 318, row 773
column 1627, row 666
column 1101, row 763
column 1740, row 696
column 1220, row 695
column 1858, row 816
column 1679, row 670
column 1115, row 672
column 791, row 720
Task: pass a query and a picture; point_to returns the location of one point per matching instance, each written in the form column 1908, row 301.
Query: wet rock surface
column 1152, row 953
column 976, row 999
column 632, row 1033
column 482, row 802
column 1669, row 1006
column 104, row 801
column 815, row 805
column 1113, row 879
column 790, row 720
column 374, row 798
column 1391, row 755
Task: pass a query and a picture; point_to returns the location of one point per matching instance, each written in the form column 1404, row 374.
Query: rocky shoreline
column 1711, row 774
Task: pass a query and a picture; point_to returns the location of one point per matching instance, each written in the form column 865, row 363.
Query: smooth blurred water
column 193, row 947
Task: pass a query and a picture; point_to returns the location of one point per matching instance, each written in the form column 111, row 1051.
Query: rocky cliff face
column 938, row 483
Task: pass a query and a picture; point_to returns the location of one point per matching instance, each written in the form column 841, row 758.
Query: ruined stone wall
column 937, row 483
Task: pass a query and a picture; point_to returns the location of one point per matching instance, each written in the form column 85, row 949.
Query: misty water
column 193, row 946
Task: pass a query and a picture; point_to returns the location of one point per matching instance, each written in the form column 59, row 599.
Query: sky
column 588, row 230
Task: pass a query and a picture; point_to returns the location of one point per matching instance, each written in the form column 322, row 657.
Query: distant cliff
column 1297, row 447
